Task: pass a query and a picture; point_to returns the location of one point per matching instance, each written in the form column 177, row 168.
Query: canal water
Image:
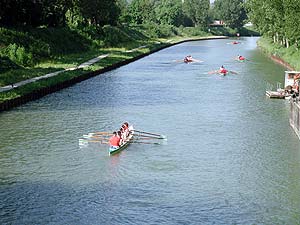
column 230, row 158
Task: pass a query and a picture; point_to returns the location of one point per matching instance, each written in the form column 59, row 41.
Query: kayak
column 115, row 150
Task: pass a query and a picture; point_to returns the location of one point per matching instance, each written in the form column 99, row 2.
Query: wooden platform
column 276, row 94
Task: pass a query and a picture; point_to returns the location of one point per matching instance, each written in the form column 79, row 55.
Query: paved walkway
column 135, row 49
column 21, row 83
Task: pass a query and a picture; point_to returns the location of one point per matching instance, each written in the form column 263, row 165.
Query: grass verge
column 289, row 55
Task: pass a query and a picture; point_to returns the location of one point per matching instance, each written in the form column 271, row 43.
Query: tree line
column 56, row 13
column 278, row 19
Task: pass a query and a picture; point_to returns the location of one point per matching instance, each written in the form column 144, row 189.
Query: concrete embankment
column 9, row 104
column 281, row 62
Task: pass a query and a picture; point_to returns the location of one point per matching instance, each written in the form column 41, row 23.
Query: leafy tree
column 277, row 19
column 142, row 11
column 54, row 12
column 124, row 14
column 20, row 12
column 292, row 21
column 99, row 12
column 197, row 11
column 169, row 12
column 33, row 12
column 232, row 12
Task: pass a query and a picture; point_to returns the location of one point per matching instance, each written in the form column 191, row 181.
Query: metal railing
column 295, row 115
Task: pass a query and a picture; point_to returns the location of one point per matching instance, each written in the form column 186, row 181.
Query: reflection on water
column 231, row 156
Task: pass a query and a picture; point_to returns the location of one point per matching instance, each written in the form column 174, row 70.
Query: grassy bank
column 289, row 55
column 28, row 53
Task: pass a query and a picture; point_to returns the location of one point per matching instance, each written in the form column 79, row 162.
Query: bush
column 154, row 30
column 192, row 31
column 6, row 64
column 18, row 55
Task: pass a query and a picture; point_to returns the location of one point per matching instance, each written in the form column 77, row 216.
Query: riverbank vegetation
column 278, row 22
column 38, row 37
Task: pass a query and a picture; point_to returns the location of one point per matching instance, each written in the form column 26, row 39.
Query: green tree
column 142, row 11
column 277, row 19
column 99, row 12
column 232, row 12
column 20, row 12
column 33, row 12
column 197, row 11
column 169, row 12
column 54, row 12
column 124, row 14
column 292, row 21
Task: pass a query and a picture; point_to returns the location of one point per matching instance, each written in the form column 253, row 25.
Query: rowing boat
column 114, row 150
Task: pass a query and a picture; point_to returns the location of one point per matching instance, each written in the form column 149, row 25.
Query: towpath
column 31, row 80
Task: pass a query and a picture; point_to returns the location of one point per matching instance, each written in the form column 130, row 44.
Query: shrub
column 18, row 55
column 6, row 64
column 192, row 31
column 154, row 30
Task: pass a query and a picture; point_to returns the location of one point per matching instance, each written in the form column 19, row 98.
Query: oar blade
column 87, row 141
column 149, row 137
column 149, row 143
column 148, row 133
column 233, row 72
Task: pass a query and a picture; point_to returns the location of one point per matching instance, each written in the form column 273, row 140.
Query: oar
column 96, row 138
column 149, row 137
column 153, row 134
column 97, row 134
column 84, row 141
column 141, row 137
column 143, row 142
column 212, row 72
column 197, row 60
column 178, row 60
column 233, row 72
column 88, row 136
column 101, row 133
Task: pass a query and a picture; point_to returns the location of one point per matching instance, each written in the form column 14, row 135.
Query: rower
column 125, row 129
column 120, row 135
column 188, row 58
column 114, row 141
column 241, row 57
column 223, row 70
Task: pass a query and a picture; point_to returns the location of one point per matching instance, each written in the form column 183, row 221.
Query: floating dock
column 291, row 86
column 276, row 94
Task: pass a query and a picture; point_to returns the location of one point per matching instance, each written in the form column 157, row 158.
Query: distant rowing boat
column 114, row 150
